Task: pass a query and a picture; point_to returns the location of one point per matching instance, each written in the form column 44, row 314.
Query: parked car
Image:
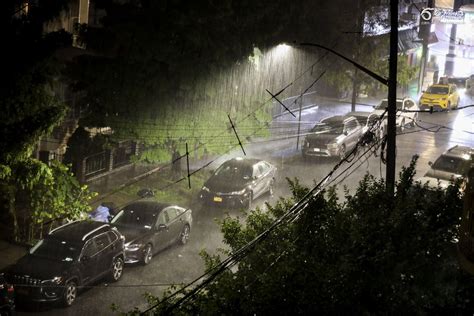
column 70, row 256
column 451, row 165
column 440, row 97
column 332, row 137
column 403, row 118
column 367, row 120
column 238, row 182
column 7, row 297
column 150, row 226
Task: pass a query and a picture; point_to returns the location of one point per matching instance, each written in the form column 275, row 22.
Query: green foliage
column 44, row 194
column 368, row 254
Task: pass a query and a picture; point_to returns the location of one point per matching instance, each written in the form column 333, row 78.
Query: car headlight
column 56, row 280
column 204, row 188
column 333, row 146
column 237, row 192
column 133, row 247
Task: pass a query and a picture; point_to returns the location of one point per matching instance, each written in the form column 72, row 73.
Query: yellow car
column 440, row 97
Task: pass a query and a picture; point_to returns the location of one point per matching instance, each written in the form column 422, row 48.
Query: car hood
column 442, row 175
column 39, row 267
column 225, row 185
column 133, row 234
column 433, row 182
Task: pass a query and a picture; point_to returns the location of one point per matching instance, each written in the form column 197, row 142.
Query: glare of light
column 281, row 50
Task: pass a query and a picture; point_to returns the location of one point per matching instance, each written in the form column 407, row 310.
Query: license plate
column 316, row 149
column 217, row 199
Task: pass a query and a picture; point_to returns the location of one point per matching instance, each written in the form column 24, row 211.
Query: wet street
column 182, row 264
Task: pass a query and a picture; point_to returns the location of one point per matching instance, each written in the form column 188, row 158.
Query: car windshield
column 328, row 127
column 234, row 171
column 437, row 90
column 384, row 105
column 133, row 218
column 59, row 250
column 453, row 165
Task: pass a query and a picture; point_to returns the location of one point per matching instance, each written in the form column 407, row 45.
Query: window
column 256, row 171
column 163, row 218
column 350, row 125
column 172, row 213
column 90, row 249
column 112, row 236
column 102, row 241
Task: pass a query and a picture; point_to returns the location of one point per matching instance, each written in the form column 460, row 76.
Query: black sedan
column 239, row 181
column 150, row 226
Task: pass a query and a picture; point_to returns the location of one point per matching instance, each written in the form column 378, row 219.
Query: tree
column 30, row 110
column 344, row 257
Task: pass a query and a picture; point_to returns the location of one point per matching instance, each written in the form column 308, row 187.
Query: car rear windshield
column 450, row 164
column 384, row 105
column 234, row 171
column 133, row 217
column 438, row 90
column 59, row 250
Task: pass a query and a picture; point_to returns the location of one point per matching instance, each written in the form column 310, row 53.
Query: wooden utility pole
column 392, row 98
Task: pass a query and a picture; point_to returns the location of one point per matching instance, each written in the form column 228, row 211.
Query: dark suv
column 70, row 256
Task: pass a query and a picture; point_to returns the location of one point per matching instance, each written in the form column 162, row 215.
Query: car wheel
column 70, row 293
column 342, row 152
column 184, row 235
column 117, row 269
column 147, row 254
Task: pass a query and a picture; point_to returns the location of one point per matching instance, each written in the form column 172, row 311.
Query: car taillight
column 10, row 288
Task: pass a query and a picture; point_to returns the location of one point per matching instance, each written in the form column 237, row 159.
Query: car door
column 175, row 224
column 257, row 180
column 352, row 129
column 161, row 232
column 267, row 175
column 88, row 262
column 104, row 253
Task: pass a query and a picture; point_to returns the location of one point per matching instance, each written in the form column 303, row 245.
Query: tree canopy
column 366, row 254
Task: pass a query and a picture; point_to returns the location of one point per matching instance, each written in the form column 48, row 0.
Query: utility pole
column 355, row 75
column 449, row 63
column 392, row 98
column 424, row 34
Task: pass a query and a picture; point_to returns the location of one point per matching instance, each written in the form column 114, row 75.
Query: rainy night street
column 182, row 264
column 236, row 157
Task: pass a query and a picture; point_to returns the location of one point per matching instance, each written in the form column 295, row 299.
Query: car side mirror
column 346, row 132
column 430, row 163
column 162, row 227
column 373, row 106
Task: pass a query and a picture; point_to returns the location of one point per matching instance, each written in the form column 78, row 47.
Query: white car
column 453, row 164
column 403, row 118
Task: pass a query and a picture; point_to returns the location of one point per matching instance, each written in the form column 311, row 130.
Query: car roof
column 243, row 161
column 442, row 85
column 459, row 151
column 78, row 231
column 148, row 206
column 335, row 118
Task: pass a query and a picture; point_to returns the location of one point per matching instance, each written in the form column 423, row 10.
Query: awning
column 408, row 40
